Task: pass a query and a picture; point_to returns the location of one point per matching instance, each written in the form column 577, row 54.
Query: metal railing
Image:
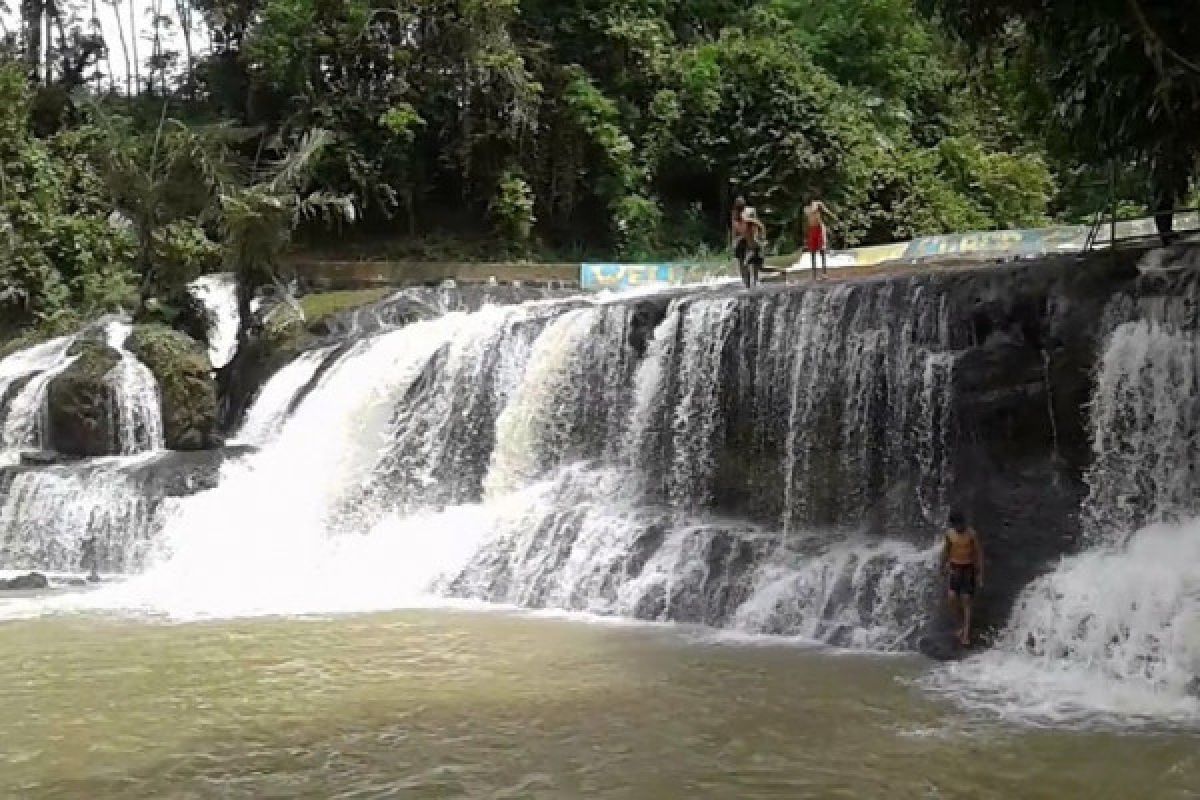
column 1136, row 228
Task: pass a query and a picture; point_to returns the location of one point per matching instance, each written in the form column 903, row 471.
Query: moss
column 189, row 395
column 324, row 304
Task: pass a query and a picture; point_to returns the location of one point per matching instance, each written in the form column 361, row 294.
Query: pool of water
column 440, row 704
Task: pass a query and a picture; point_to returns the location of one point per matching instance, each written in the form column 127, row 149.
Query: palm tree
column 258, row 219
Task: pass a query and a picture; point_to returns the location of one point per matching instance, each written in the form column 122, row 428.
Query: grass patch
column 323, row 304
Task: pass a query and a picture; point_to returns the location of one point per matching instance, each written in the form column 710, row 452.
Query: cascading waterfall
column 283, row 509
column 1145, row 420
column 276, row 399
column 24, row 378
column 48, row 515
column 1116, row 629
column 584, row 538
column 137, row 423
column 218, row 294
column 595, row 456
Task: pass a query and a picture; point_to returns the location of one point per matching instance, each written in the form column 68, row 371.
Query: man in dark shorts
column 962, row 561
column 737, row 232
column 750, row 247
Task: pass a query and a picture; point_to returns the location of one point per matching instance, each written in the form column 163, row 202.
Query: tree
column 1123, row 76
column 257, row 220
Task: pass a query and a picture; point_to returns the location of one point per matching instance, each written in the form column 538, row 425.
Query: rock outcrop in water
column 186, row 386
column 31, row 581
column 80, row 402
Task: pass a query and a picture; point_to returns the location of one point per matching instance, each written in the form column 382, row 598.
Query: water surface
column 452, row 704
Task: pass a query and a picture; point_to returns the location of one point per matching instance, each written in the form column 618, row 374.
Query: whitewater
column 558, row 455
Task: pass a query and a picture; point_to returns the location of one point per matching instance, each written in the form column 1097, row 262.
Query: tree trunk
column 99, row 30
column 31, row 20
column 156, row 48
column 184, row 11
column 116, row 4
column 48, row 43
column 137, row 67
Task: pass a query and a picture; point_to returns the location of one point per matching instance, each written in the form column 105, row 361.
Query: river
column 439, row 704
column 680, row 544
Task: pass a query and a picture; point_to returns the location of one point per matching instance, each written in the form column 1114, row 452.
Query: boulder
column 41, row 458
column 80, row 402
column 189, row 393
column 34, row 580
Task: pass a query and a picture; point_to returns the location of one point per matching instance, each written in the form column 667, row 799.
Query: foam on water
column 1113, row 634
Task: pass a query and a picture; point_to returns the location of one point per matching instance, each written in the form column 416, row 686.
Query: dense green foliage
column 574, row 127
column 57, row 250
column 627, row 127
column 1115, row 81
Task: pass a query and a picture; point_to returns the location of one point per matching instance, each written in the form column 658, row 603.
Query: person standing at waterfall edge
column 816, row 236
column 753, row 242
column 737, row 232
column 962, row 561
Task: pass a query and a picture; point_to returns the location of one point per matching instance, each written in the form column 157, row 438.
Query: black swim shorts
column 962, row 579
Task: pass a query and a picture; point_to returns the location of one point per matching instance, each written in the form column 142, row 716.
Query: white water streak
column 269, row 411
column 137, row 422
column 218, row 293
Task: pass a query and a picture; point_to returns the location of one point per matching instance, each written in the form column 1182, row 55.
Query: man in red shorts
column 816, row 239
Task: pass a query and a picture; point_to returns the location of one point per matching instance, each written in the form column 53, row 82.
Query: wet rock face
column 189, row 394
column 80, row 402
column 1022, row 390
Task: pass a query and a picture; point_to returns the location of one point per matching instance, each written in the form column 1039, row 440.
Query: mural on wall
column 1017, row 244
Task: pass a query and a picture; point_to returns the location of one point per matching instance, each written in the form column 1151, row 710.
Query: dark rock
column 80, row 402
column 42, row 458
column 34, row 580
column 189, row 394
column 942, row 647
column 194, row 319
column 190, row 439
column 181, row 473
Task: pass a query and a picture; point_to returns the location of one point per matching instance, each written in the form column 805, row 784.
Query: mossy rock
column 80, row 402
column 189, row 394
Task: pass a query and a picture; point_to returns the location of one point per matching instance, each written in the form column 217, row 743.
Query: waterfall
column 48, row 515
column 1145, row 419
column 24, row 378
column 136, row 408
column 1116, row 630
column 218, row 294
column 665, row 457
column 276, row 399
column 275, row 535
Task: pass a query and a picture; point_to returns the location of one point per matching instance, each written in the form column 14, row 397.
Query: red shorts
column 816, row 238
